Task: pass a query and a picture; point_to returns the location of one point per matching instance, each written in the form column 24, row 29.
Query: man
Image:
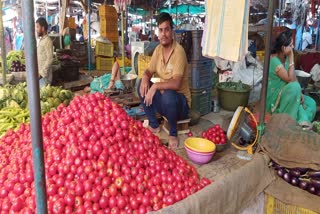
column 44, row 53
column 171, row 96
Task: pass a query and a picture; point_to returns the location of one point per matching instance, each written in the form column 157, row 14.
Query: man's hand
column 144, row 87
column 149, row 96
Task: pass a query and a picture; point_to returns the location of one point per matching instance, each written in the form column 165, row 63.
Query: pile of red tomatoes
column 216, row 134
column 97, row 160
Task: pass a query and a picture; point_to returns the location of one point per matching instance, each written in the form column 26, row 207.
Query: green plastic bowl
column 230, row 99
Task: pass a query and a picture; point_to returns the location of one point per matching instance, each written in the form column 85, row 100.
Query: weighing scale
column 243, row 133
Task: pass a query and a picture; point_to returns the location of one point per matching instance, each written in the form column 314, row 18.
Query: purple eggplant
column 281, row 172
column 312, row 189
column 294, row 181
column 295, row 172
column 313, row 174
column 287, row 177
column 304, row 184
column 315, row 182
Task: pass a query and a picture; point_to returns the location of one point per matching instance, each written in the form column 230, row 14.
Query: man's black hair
column 42, row 22
column 165, row 17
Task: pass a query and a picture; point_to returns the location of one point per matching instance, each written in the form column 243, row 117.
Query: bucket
column 232, row 94
column 303, row 78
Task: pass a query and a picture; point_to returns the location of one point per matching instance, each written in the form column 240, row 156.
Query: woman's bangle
column 292, row 64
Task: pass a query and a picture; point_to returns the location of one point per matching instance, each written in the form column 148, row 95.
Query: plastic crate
column 70, row 71
column 104, row 49
column 111, row 36
column 109, row 24
column 201, row 100
column 196, row 53
column 200, row 74
column 79, row 49
column 104, row 63
column 127, row 62
column 105, row 10
column 70, row 22
column 143, row 64
column 275, row 206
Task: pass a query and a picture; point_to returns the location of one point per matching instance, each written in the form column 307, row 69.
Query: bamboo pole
column 3, row 49
column 34, row 105
column 122, row 35
column 263, row 101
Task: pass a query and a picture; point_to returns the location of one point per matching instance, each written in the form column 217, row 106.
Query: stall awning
column 185, row 9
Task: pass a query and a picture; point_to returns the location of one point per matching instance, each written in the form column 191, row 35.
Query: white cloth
column 226, row 32
column 315, row 73
column 306, row 40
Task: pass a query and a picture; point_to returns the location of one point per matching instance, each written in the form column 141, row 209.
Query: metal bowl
column 303, row 78
column 128, row 81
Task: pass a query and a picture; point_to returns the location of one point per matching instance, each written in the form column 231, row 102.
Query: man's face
column 165, row 33
column 39, row 30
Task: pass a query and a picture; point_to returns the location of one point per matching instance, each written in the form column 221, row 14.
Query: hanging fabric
column 226, row 29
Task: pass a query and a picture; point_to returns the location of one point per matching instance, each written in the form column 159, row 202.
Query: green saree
column 283, row 97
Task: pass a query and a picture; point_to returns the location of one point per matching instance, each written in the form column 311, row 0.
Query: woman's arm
column 287, row 76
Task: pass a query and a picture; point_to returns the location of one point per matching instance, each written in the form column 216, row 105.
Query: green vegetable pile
column 12, row 117
column 14, row 103
column 16, row 61
column 236, row 86
column 316, row 126
column 14, row 96
column 52, row 96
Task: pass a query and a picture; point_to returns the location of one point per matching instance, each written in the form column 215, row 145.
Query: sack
column 289, row 145
column 99, row 84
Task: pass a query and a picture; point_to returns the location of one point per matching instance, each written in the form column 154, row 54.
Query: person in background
column 306, row 39
column 284, row 91
column 7, row 40
column 66, row 38
column 171, row 96
column 44, row 52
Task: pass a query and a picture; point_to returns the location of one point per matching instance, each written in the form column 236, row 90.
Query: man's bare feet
column 173, row 142
column 154, row 130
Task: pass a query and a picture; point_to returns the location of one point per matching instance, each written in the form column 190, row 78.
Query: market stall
column 97, row 156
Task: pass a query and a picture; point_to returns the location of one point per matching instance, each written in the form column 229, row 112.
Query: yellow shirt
column 177, row 66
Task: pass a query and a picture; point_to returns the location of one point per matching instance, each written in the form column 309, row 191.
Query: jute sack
column 288, row 145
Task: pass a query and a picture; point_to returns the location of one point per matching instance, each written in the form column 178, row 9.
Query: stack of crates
column 200, row 74
column 70, row 22
column 109, row 23
column 104, row 56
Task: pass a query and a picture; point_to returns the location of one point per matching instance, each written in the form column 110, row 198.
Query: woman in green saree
column 284, row 92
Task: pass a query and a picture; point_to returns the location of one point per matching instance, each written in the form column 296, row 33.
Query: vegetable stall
column 97, row 159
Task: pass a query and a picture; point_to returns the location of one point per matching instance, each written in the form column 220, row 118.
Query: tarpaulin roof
column 138, row 11
column 180, row 9
column 185, row 9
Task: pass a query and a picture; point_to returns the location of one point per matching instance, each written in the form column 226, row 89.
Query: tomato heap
column 216, row 134
column 97, row 160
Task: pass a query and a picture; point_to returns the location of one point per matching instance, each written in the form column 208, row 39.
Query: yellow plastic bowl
column 199, row 144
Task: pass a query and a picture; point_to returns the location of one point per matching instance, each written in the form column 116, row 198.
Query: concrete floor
column 222, row 117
